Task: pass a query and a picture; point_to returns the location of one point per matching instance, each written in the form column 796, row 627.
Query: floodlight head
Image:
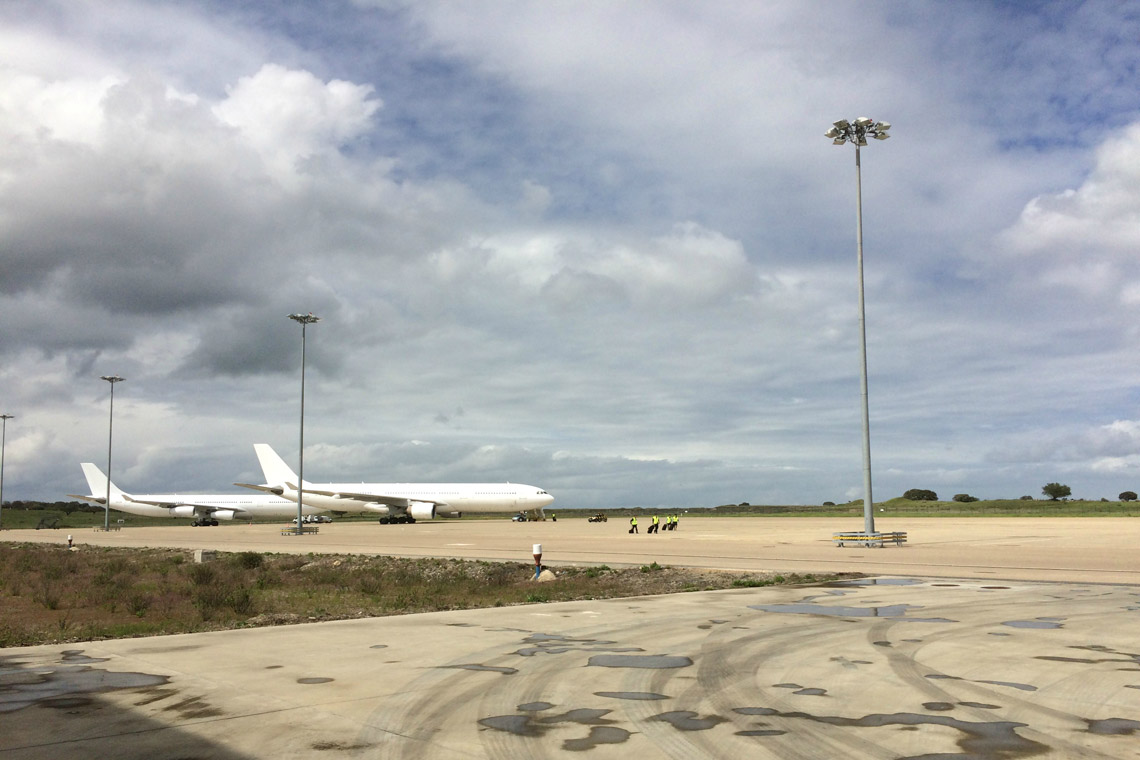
column 839, row 141
column 833, row 132
column 305, row 319
column 882, row 136
column 864, row 121
column 112, row 379
column 862, row 141
column 883, row 126
column 6, row 417
column 842, row 124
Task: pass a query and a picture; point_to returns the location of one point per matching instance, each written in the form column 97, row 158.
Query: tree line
column 1054, row 491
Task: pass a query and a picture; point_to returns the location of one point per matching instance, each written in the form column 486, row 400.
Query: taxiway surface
column 936, row 658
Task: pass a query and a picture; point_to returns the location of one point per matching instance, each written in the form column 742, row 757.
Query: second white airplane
column 202, row 509
column 398, row 502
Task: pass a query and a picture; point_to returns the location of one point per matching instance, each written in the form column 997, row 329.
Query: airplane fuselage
column 422, row 500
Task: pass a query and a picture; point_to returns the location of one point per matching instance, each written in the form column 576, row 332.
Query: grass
column 50, row 594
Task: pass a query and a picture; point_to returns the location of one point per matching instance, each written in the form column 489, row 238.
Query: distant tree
column 1027, row 497
column 829, row 504
column 920, row 494
column 1127, row 496
column 965, row 497
column 1056, row 491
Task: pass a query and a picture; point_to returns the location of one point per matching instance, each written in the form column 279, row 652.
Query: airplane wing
column 275, row 490
column 93, row 499
column 401, row 502
column 198, row 508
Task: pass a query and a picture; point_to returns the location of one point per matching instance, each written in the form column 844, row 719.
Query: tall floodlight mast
column 305, row 320
column 3, row 444
column 857, row 133
column 112, row 379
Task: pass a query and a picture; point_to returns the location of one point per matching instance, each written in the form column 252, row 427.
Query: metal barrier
column 304, row 529
column 898, row 538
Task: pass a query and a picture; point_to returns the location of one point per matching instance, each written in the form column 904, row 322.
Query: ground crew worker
column 656, row 525
column 68, row 540
column 633, row 525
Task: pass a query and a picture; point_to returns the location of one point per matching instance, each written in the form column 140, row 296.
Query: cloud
column 288, row 116
column 1085, row 238
column 613, row 236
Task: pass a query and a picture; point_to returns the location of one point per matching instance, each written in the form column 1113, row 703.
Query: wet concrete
column 610, row 678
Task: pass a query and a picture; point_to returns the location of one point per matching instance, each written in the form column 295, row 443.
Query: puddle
column 273, row 667
column 483, row 668
column 649, row 661
column 519, row 725
column 1010, row 684
column 761, row 732
column 378, row 646
column 1113, row 726
column 980, row 705
column 549, row 643
column 598, row 735
column 1038, row 623
column 874, row 582
column 76, row 657
column 978, row 740
column 314, row 680
column 687, row 720
column 640, row 696
column 937, row 706
column 63, row 685
column 534, row 706
column 528, row 725
column 885, row 611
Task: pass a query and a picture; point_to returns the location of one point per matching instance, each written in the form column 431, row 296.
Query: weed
column 249, row 560
column 201, row 575
column 138, row 604
column 650, row 568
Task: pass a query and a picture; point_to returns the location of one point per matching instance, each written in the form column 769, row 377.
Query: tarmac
column 985, row 638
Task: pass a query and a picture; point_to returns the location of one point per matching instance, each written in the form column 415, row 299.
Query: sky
column 603, row 248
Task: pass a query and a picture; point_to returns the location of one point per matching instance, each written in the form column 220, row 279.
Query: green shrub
column 249, row 560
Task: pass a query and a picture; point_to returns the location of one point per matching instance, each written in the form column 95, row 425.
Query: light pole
column 112, row 379
column 856, row 133
column 305, row 320
column 3, row 443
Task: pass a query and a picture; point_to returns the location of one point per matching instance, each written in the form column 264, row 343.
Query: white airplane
column 398, row 502
column 204, row 509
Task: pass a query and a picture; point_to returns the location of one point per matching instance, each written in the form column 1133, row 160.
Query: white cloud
column 288, row 116
column 1086, row 238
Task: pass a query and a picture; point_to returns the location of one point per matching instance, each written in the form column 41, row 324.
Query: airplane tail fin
column 273, row 467
column 97, row 483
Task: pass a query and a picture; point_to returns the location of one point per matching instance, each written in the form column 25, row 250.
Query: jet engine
column 421, row 510
column 182, row 510
column 225, row 514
